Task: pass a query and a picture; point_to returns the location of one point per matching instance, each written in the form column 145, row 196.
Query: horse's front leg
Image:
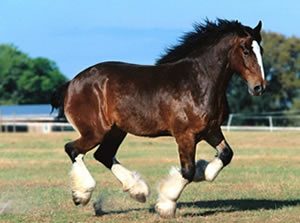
column 209, row 170
column 170, row 188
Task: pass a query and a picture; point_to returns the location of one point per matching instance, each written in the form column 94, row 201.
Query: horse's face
column 246, row 59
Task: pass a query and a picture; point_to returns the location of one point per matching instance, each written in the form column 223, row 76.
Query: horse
column 183, row 95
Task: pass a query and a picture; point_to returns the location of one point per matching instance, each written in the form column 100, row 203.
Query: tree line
column 25, row 80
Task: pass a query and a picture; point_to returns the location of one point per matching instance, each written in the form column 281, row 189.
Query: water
column 27, row 110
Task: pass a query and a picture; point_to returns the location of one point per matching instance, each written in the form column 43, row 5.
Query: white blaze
column 256, row 50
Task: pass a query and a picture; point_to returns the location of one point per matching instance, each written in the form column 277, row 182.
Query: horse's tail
column 57, row 99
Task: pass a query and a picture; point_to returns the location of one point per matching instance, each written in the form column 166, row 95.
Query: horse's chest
column 214, row 114
column 218, row 114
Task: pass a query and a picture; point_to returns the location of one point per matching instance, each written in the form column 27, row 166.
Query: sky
column 79, row 33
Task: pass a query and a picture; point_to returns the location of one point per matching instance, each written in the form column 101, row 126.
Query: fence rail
column 30, row 123
column 259, row 128
column 46, row 124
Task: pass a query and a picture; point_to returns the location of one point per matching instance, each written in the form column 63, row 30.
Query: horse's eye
column 246, row 52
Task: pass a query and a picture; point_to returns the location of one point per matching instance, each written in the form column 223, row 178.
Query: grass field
column 262, row 184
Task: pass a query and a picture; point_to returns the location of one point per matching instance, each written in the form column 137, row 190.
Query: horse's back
column 139, row 99
column 117, row 93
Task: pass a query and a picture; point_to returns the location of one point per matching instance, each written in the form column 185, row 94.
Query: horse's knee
column 226, row 155
column 188, row 172
column 71, row 151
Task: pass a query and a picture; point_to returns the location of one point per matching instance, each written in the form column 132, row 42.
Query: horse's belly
column 141, row 125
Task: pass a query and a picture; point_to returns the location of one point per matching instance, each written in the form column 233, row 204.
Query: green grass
column 260, row 185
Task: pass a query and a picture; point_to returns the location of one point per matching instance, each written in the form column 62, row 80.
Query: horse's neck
column 213, row 67
column 213, row 73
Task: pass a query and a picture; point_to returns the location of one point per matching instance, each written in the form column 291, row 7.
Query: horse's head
column 246, row 59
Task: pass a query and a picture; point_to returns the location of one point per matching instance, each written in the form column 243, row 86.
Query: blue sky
column 79, row 33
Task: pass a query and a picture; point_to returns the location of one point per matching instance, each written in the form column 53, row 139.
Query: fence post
column 46, row 128
column 270, row 123
column 14, row 122
column 229, row 122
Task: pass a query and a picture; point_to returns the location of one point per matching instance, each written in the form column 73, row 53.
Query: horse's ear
column 258, row 27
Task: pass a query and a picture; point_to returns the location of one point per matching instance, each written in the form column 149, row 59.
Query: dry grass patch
column 260, row 185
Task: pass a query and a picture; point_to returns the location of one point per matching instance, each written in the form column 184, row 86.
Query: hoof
column 139, row 197
column 82, row 198
column 166, row 209
column 139, row 190
column 76, row 202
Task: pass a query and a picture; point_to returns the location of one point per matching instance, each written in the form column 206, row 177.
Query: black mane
column 203, row 35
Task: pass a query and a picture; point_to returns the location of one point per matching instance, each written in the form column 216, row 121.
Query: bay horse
column 183, row 95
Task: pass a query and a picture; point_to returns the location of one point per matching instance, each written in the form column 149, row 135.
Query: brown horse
column 183, row 95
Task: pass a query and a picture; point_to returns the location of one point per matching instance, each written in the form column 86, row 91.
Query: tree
column 282, row 69
column 24, row 80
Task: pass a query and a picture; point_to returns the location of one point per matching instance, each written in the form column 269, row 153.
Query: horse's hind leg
column 131, row 181
column 82, row 183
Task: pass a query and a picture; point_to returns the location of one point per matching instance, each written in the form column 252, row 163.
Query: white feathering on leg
column 213, row 168
column 169, row 191
column 132, row 182
column 82, row 183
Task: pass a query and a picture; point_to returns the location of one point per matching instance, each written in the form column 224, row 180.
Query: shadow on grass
column 101, row 212
column 217, row 206
column 227, row 206
column 100, row 208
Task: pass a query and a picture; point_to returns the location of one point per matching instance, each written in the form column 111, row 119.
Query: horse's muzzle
column 257, row 90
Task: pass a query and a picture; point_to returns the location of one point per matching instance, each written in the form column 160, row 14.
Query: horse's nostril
column 258, row 89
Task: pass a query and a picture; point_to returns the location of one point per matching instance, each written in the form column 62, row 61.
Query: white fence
column 263, row 123
column 32, row 123
column 47, row 124
column 259, row 128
